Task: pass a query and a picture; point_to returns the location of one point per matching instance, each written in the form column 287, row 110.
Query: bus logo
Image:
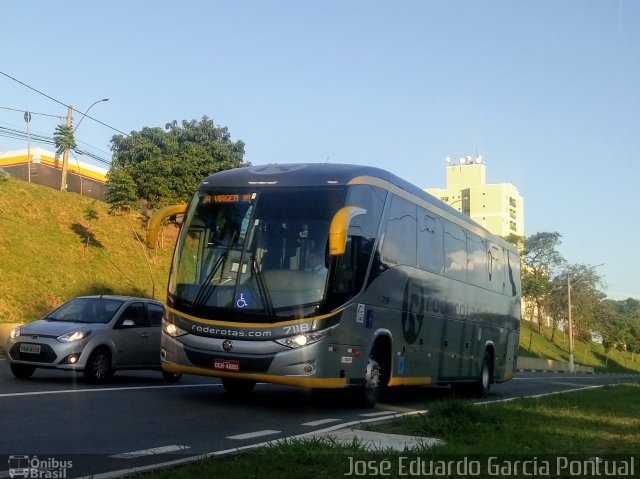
column 19, row 466
column 227, row 345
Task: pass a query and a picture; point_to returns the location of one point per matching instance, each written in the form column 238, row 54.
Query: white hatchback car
column 93, row 334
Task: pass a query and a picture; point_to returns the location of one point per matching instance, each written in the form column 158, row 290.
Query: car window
column 135, row 313
column 87, row 310
column 155, row 313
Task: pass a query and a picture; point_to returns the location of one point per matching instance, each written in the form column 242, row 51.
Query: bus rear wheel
column 238, row 387
column 482, row 386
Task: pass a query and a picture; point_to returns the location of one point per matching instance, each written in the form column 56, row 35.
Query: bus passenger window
column 399, row 246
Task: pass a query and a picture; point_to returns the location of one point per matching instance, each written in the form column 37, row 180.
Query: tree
column 167, row 165
column 121, row 194
column 64, row 138
column 541, row 258
column 586, row 296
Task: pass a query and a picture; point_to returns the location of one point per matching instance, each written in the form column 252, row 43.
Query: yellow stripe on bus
column 415, row 381
column 301, row 381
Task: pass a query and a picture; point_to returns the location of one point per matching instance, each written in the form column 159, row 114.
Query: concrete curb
column 548, row 365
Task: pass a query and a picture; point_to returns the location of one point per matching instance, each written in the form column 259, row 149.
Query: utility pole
column 27, row 118
column 572, row 368
column 65, row 157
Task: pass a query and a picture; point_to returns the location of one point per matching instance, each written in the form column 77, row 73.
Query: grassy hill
column 54, row 246
column 538, row 345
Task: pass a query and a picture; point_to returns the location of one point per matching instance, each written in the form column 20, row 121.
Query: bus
column 407, row 291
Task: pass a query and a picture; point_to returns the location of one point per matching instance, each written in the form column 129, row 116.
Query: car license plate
column 226, row 365
column 30, row 348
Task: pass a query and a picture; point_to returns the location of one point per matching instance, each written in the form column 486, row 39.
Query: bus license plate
column 30, row 348
column 226, row 365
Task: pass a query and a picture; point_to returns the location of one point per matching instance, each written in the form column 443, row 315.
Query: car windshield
column 86, row 310
column 262, row 252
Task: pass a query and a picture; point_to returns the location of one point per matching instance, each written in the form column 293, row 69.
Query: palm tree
column 64, row 140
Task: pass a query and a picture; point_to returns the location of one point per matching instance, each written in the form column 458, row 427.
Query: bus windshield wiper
column 262, row 288
column 203, row 294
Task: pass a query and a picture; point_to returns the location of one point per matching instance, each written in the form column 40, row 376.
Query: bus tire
column 375, row 380
column 22, row 371
column 483, row 384
column 238, row 387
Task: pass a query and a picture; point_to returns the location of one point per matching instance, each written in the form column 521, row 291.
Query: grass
column 534, row 344
column 580, row 425
column 54, row 246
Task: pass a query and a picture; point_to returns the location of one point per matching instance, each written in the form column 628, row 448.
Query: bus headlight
column 304, row 339
column 172, row 330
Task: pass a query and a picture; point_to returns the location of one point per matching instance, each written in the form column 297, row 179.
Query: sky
column 548, row 92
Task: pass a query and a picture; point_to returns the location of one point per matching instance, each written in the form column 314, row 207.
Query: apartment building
column 499, row 207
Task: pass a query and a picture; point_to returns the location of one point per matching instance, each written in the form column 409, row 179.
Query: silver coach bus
column 336, row 276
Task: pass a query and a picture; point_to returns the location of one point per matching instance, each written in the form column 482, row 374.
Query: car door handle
column 144, row 335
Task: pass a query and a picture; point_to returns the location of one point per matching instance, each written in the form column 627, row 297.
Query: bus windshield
column 254, row 252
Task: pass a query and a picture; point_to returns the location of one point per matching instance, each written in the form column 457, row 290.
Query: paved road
column 137, row 419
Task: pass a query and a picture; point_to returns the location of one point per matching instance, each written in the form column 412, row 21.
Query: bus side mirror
column 339, row 228
column 156, row 221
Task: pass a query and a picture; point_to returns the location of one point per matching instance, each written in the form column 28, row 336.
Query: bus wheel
column 374, row 381
column 238, row 387
column 483, row 384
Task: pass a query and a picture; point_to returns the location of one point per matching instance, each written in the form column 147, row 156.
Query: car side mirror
column 128, row 323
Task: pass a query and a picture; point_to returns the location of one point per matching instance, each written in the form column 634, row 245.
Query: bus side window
column 399, row 245
column 351, row 267
column 455, row 249
column 430, row 254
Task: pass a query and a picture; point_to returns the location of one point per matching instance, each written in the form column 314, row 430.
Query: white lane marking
column 319, row 422
column 251, row 435
column 374, row 414
column 150, row 452
column 140, row 388
column 538, row 395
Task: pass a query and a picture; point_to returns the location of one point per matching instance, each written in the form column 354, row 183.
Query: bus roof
column 324, row 174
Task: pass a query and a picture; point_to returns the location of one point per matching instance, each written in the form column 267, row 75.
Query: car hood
column 56, row 328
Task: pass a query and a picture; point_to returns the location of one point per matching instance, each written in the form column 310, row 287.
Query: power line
column 32, row 112
column 48, row 140
column 63, row 104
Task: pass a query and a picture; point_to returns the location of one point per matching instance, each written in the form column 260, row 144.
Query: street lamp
column 87, row 111
column 571, row 364
column 65, row 158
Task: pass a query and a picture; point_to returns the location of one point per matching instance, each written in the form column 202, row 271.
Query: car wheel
column 98, row 368
column 22, row 371
column 171, row 377
column 238, row 387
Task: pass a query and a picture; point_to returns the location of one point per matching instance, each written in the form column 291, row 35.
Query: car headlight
column 304, row 339
column 172, row 330
column 73, row 336
column 15, row 332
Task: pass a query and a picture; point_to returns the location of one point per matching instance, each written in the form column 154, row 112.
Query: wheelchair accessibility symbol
column 243, row 300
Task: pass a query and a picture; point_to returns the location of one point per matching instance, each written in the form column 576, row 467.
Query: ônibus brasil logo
column 33, row 467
